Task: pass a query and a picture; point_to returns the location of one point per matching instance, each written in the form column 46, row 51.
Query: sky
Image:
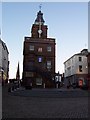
column 67, row 22
column 0, row 16
column 89, row 26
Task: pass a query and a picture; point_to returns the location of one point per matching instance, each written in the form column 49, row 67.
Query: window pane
column 80, row 58
column 39, row 59
column 31, row 47
column 49, row 48
column 49, row 65
column 39, row 49
column 80, row 68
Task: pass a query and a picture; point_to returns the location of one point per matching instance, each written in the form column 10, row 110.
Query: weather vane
column 40, row 6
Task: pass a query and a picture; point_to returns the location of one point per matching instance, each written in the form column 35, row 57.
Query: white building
column 76, row 67
column 4, row 62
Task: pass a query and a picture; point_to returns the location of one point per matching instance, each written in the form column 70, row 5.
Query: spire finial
column 40, row 6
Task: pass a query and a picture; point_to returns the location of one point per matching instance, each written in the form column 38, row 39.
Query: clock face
column 39, row 31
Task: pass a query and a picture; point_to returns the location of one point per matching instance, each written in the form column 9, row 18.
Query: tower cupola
column 39, row 18
column 39, row 30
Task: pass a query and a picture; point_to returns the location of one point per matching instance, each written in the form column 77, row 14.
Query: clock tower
column 39, row 30
column 39, row 56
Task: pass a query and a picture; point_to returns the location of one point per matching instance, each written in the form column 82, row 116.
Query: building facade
column 39, row 56
column 4, row 63
column 76, row 67
column 88, row 60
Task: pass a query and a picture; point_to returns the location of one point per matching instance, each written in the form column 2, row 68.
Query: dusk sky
column 67, row 22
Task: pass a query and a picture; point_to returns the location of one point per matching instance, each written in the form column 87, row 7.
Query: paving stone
column 45, row 103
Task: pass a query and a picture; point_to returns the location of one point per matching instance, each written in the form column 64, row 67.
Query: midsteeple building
column 39, row 56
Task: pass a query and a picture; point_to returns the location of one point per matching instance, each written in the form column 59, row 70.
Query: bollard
column 44, row 85
column 56, row 85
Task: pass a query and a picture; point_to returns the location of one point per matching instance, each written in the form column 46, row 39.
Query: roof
column 84, row 52
column 39, row 18
column 4, row 46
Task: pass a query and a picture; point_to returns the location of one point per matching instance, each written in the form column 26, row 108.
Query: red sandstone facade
column 39, row 56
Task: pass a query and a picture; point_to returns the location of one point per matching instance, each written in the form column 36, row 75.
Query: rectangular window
column 80, row 68
column 80, row 58
column 29, row 74
column 39, row 49
column 28, row 38
column 49, row 48
column 40, row 59
column 48, row 64
column 31, row 48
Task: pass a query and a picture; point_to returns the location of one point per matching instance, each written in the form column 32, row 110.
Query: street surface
column 0, row 101
column 45, row 103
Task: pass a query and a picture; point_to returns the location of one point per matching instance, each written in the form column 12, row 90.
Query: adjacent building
column 88, row 60
column 4, row 63
column 76, row 67
column 39, row 56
